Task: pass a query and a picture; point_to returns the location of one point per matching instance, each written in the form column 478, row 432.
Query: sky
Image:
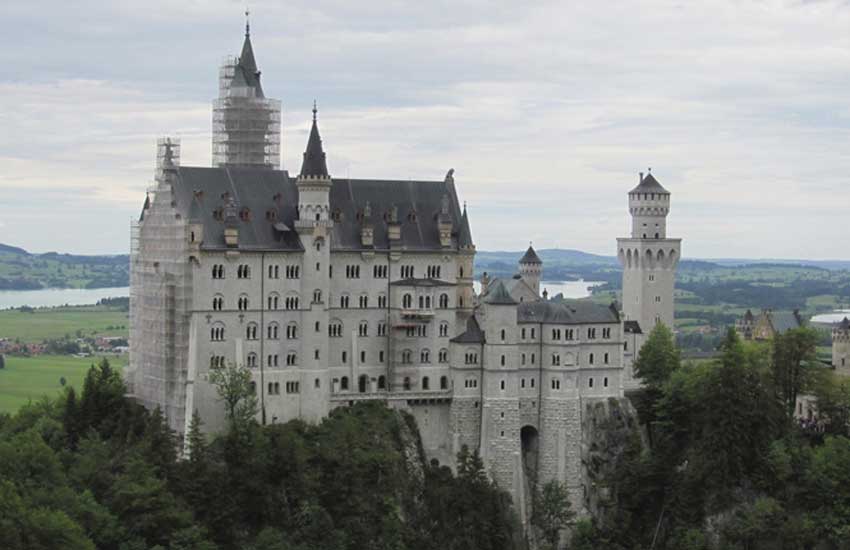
column 546, row 110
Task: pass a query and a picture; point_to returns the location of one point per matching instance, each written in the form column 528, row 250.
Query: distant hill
column 21, row 270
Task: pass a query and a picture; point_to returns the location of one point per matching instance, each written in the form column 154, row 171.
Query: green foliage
column 551, row 511
column 658, row 357
column 833, row 402
column 794, row 365
column 233, row 383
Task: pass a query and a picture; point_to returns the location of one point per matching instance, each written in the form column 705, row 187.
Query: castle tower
column 530, row 268
column 648, row 257
column 841, row 347
column 314, row 227
column 246, row 124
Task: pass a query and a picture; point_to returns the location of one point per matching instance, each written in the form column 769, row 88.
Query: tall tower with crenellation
column 841, row 347
column 649, row 258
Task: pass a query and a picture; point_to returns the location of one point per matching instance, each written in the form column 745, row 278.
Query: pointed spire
column 247, row 23
column 247, row 62
column 464, row 237
column 530, row 256
column 314, row 163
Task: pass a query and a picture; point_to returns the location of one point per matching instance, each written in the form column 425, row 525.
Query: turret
column 649, row 204
column 314, row 182
column 530, row 268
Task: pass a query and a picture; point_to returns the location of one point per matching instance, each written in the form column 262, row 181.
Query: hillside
column 21, row 270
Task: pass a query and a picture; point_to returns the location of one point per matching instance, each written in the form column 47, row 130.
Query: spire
column 248, row 63
column 530, row 256
column 314, row 157
column 464, row 238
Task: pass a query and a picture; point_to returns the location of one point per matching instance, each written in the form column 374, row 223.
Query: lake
column 570, row 289
column 50, row 297
column 831, row 318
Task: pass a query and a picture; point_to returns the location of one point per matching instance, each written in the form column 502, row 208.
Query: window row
column 424, row 356
column 243, row 271
column 565, row 334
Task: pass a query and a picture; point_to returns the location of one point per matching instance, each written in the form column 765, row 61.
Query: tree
column 551, row 511
column 832, row 393
column 793, row 365
column 658, row 358
column 234, row 385
column 2, row 361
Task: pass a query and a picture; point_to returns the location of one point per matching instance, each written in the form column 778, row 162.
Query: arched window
column 407, row 356
column 426, row 383
column 444, row 301
column 317, row 296
column 218, row 302
column 443, row 356
column 273, row 301
column 363, row 383
column 251, row 331
column 252, row 360
column 444, row 329
column 243, row 302
column 406, row 385
column 363, row 328
column 407, row 301
column 335, row 329
column 425, row 356
column 502, row 335
column 272, row 331
column 292, row 331
column 343, row 383
column 444, row 382
column 422, row 302
column 382, row 382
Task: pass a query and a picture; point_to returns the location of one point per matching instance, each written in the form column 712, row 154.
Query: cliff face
column 610, row 429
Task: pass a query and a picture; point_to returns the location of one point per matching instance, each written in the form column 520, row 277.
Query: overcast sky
column 547, row 111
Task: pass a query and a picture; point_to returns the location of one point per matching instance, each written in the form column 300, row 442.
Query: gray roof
column 248, row 73
column 632, row 327
column 530, row 257
column 785, row 320
column 464, row 238
column 844, row 324
column 566, row 313
column 314, row 163
column 472, row 335
column 649, row 185
column 498, row 295
column 271, row 198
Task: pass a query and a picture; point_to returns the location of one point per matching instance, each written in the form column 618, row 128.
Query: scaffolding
column 245, row 125
column 160, row 296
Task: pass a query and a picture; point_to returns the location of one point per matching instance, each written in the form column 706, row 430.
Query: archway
column 530, row 444
column 362, row 383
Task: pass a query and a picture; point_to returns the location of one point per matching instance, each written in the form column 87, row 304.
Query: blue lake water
column 49, row 297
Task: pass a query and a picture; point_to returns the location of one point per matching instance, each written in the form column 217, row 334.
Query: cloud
column 547, row 111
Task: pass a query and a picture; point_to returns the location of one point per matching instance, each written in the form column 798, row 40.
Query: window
column 605, row 382
column 556, row 384
column 381, row 356
column 243, row 302
column 522, row 383
column 291, row 331
column 651, row 278
column 274, row 388
column 293, row 271
column 364, row 301
column 363, row 383
column 532, row 358
column 556, row 359
column 444, row 301
column 273, row 301
column 556, row 334
column 352, row 272
column 590, row 382
column 274, row 272
column 470, row 383
column 316, row 354
column 658, row 299
column 591, row 334
column 216, row 361
column 243, row 272
column 407, row 301
column 217, row 333
column 471, row 358
column 502, row 335
column 382, row 301
column 433, row 272
column 317, row 296
column 444, row 382
column 407, row 272
column 362, row 357
column 426, row 383
column 363, row 329
column 605, row 358
column 533, row 333
column 218, row 271
column 502, row 360
column 425, row 356
column 335, row 329
column 291, row 359
column 343, row 301
column 218, row 303
column 291, row 302
column 406, row 385
column 407, row 357
column 569, row 334
column 590, row 359
column 251, row 331
column 272, row 331
column 292, row 387
column 343, row 383
column 382, row 329
column 444, row 329
column 606, row 332
column 382, row 382
column 318, row 326
column 502, row 385
column 379, row 271
column 344, row 357
column 422, row 331
column 532, row 382
column 443, row 356
column 522, row 359
column 272, row 360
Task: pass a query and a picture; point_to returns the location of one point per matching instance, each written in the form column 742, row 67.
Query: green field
column 52, row 323
column 30, row 378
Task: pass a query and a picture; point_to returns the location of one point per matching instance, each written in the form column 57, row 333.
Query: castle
column 335, row 290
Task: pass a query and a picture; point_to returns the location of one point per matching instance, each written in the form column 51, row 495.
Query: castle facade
column 335, row 290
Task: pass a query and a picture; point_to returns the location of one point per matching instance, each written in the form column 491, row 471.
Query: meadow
column 27, row 379
column 54, row 323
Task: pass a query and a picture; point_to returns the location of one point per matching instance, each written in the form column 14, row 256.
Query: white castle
column 335, row 290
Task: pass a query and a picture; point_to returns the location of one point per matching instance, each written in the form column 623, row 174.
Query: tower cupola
column 314, row 182
column 649, row 204
column 530, row 269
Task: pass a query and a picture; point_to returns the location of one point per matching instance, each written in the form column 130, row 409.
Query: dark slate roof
column 748, row 316
column 422, row 282
column 649, row 185
column 844, row 324
column 566, row 313
column 632, row 327
column 530, row 257
column 498, row 295
column 785, row 320
column 464, row 238
column 472, row 335
column 199, row 192
column 248, row 75
column 314, row 163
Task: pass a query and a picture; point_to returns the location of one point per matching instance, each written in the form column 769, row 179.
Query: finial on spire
column 315, row 110
column 649, row 170
column 247, row 22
